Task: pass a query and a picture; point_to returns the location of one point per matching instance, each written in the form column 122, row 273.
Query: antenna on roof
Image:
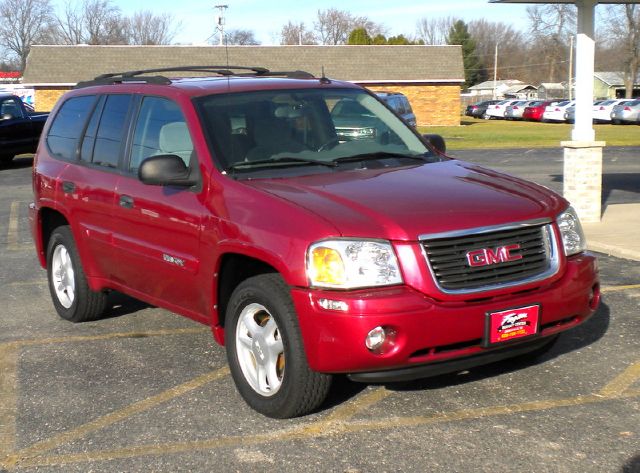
column 324, row 79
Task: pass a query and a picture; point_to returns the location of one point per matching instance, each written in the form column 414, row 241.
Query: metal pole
column 220, row 25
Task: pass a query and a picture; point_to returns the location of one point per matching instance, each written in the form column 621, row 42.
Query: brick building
column 430, row 76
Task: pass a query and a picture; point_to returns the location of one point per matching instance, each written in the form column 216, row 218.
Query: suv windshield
column 274, row 129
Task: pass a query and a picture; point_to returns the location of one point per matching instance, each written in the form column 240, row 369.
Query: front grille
column 447, row 257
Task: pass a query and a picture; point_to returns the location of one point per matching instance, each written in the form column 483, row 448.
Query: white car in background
column 497, row 110
column 555, row 111
column 602, row 111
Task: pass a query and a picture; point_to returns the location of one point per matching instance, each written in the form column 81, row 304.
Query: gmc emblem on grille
column 488, row 256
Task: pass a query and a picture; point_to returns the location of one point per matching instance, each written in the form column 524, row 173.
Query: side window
column 110, row 134
column 160, row 129
column 11, row 107
column 67, row 127
column 86, row 150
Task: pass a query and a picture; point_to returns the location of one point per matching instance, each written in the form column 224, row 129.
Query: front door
column 157, row 229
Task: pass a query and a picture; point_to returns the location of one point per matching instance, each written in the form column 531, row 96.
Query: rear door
column 157, row 233
column 87, row 185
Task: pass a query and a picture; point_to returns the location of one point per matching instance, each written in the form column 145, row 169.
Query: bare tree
column 93, row 22
column 296, row 33
column 551, row 26
column 512, row 49
column 23, row 23
column 434, row 31
column 624, row 24
column 146, row 28
column 241, row 38
column 333, row 26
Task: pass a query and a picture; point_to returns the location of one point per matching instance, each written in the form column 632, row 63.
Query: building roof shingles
column 71, row 64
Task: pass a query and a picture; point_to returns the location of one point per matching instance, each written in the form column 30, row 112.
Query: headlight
column 572, row 235
column 348, row 264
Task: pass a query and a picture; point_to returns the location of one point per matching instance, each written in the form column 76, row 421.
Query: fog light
column 328, row 304
column 380, row 340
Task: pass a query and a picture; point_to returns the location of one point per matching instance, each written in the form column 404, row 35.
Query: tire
column 486, row 117
column 262, row 329
column 73, row 299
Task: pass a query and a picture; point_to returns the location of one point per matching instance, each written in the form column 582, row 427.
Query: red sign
column 512, row 324
column 487, row 256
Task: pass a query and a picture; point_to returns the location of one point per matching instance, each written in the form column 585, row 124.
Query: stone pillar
column 583, row 177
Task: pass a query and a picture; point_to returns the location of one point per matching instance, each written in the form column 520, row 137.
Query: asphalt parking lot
column 147, row 390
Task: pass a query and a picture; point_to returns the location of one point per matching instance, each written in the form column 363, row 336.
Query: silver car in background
column 628, row 112
column 515, row 110
column 602, row 112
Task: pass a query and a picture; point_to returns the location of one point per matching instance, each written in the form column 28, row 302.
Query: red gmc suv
column 306, row 224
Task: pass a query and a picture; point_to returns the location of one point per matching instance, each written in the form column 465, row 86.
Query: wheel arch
column 47, row 221
column 233, row 269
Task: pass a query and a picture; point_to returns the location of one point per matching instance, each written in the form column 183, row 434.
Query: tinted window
column 111, row 130
column 67, row 126
column 86, row 150
column 160, row 129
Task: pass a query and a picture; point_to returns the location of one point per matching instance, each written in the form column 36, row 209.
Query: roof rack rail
column 138, row 75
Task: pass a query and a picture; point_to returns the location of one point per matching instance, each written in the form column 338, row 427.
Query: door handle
column 126, row 202
column 68, row 187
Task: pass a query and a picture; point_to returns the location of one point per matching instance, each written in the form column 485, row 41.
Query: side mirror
column 437, row 142
column 6, row 116
column 165, row 170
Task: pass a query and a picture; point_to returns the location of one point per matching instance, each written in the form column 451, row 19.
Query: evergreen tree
column 473, row 70
column 379, row 39
column 359, row 36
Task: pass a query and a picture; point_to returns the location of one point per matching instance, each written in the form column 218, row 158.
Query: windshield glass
column 314, row 127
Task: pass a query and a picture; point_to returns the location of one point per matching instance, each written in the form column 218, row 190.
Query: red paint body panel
column 425, row 328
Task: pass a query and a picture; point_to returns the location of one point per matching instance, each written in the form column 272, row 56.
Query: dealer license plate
column 512, row 324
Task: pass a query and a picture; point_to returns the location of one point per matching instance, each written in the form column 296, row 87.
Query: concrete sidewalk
column 618, row 233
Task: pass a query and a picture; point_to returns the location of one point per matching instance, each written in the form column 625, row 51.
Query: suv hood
column 403, row 203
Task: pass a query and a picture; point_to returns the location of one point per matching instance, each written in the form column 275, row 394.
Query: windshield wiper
column 378, row 155
column 284, row 160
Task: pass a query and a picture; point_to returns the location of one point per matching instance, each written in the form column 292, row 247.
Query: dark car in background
column 20, row 127
column 399, row 103
column 479, row 109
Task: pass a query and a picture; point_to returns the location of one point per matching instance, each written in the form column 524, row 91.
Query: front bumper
column 434, row 337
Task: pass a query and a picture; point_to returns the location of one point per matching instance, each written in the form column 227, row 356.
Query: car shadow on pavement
column 632, row 466
column 19, row 162
column 628, row 182
column 586, row 334
column 119, row 305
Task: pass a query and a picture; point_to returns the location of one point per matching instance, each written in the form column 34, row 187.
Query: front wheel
column 265, row 351
column 72, row 297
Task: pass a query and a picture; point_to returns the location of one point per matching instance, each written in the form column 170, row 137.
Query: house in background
column 552, row 90
column 485, row 90
column 610, row 85
column 430, row 76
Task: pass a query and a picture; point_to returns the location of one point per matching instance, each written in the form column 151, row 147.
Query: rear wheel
column 71, row 295
column 265, row 351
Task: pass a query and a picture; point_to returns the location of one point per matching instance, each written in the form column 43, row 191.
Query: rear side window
column 110, row 135
column 67, row 126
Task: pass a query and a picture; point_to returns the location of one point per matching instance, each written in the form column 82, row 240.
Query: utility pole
column 495, row 72
column 570, row 68
column 220, row 21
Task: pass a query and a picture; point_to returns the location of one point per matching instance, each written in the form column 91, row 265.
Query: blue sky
column 266, row 18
